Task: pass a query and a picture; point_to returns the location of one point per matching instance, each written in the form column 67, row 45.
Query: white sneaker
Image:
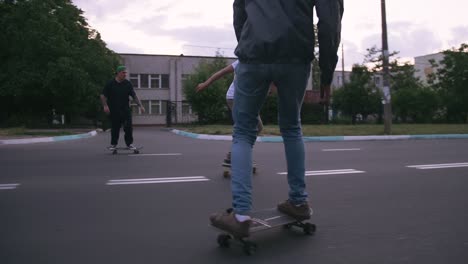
column 131, row 147
column 112, row 147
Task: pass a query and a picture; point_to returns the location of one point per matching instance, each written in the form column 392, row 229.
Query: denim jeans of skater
column 252, row 83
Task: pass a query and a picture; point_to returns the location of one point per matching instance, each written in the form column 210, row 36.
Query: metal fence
column 179, row 112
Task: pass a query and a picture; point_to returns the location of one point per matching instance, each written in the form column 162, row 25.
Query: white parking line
column 350, row 149
column 328, row 172
column 156, row 154
column 9, row 186
column 439, row 166
column 158, row 180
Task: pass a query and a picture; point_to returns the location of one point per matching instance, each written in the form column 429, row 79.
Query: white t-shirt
column 230, row 92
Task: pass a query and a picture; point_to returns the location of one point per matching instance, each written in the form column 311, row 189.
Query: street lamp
column 386, row 75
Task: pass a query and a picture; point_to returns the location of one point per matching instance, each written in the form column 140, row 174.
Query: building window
column 135, row 80
column 339, row 81
column 184, row 77
column 155, row 81
column 164, row 81
column 158, row 107
column 135, row 109
column 144, row 81
column 145, row 104
column 155, row 107
column 159, row 81
column 152, row 81
column 186, row 108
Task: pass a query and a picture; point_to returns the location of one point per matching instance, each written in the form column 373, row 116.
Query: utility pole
column 386, row 75
column 342, row 65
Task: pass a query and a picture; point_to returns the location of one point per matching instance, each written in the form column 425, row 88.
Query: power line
column 209, row 47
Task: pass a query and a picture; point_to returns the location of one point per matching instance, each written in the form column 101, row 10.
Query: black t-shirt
column 117, row 94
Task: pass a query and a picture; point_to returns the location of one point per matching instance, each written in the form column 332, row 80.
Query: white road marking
column 350, row 149
column 328, row 172
column 156, row 154
column 158, row 180
column 439, row 166
column 9, row 186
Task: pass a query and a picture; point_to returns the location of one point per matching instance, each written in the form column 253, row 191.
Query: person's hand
column 202, row 86
column 325, row 94
column 106, row 109
column 142, row 109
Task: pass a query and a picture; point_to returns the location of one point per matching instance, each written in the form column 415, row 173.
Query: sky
column 204, row 27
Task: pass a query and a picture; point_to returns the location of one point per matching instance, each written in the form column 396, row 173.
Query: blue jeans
column 252, row 82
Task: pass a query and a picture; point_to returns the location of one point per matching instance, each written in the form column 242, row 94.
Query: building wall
column 423, row 66
column 158, row 79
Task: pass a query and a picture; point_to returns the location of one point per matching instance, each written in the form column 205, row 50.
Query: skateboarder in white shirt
column 229, row 94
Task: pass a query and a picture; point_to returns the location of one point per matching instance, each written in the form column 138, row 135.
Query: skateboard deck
column 263, row 220
column 227, row 169
column 116, row 150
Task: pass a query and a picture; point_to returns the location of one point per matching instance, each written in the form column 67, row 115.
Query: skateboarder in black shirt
column 115, row 100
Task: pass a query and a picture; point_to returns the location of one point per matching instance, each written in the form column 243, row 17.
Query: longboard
column 227, row 169
column 116, row 150
column 264, row 220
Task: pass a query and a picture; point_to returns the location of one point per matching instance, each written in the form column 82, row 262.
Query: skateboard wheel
column 287, row 226
column 114, row 152
column 226, row 174
column 223, row 240
column 309, row 229
column 254, row 170
column 136, row 152
column 249, row 248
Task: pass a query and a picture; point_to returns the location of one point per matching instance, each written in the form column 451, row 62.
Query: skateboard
column 264, row 220
column 227, row 169
column 115, row 150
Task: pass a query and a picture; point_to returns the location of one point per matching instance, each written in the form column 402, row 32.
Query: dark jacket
column 282, row 31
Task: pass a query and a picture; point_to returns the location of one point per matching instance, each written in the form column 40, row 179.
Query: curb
column 325, row 139
column 47, row 139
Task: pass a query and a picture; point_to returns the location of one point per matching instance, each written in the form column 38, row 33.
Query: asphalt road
column 74, row 202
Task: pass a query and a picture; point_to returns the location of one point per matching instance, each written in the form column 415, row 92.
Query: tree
column 411, row 99
column 358, row 96
column 316, row 73
column 451, row 82
column 51, row 59
column 210, row 104
column 374, row 59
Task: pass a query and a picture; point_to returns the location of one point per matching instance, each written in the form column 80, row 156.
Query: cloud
column 196, row 40
column 150, row 25
column 352, row 55
column 101, row 8
column 205, row 40
column 167, row 26
column 408, row 39
column 120, row 47
column 459, row 36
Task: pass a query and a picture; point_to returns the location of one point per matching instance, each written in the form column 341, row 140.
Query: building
column 158, row 81
column 423, row 66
